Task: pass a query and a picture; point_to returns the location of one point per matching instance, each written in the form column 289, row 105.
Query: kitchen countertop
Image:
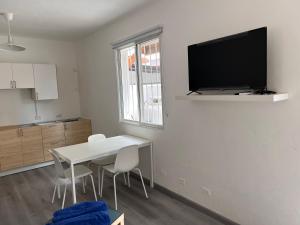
column 9, row 127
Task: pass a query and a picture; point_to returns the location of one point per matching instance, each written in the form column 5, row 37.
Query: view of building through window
column 150, row 79
column 141, row 85
column 129, row 84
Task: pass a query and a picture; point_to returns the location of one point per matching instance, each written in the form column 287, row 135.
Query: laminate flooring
column 25, row 199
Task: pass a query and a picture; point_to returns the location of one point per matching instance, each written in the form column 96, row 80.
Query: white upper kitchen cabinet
column 6, row 80
column 45, row 82
column 22, row 75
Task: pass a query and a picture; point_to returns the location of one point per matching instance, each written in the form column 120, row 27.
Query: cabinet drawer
column 77, row 139
column 54, row 129
column 77, row 131
column 10, row 142
column 32, row 146
column 53, row 137
column 32, row 132
column 52, row 145
column 11, row 161
column 82, row 124
column 32, row 140
column 33, row 157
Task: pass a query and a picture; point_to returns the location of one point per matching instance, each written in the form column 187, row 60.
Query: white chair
column 127, row 160
column 104, row 161
column 63, row 177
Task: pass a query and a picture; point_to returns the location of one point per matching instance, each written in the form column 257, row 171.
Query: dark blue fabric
column 94, row 218
column 79, row 209
column 84, row 213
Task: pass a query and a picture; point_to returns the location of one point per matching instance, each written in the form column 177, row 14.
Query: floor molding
column 192, row 204
column 26, row 168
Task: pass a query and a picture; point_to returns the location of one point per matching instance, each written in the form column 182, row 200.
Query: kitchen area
column 40, row 112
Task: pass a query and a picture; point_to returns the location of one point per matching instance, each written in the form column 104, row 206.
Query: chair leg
column 54, row 193
column 64, row 197
column 102, row 178
column 83, row 185
column 92, row 179
column 115, row 192
column 124, row 175
column 58, row 191
column 142, row 181
column 128, row 178
column 99, row 179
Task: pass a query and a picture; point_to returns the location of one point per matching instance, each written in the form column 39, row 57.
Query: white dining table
column 79, row 153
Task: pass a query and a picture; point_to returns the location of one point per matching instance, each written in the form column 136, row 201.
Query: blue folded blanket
column 79, row 209
column 94, row 218
column 84, row 213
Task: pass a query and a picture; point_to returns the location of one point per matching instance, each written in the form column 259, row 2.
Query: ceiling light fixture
column 10, row 46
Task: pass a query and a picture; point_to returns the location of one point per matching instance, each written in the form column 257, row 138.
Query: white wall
column 17, row 106
column 247, row 154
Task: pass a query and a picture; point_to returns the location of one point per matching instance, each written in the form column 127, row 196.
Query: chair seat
column 104, row 161
column 110, row 168
column 79, row 171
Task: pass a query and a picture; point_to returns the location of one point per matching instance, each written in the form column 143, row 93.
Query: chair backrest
column 127, row 159
column 58, row 166
column 96, row 137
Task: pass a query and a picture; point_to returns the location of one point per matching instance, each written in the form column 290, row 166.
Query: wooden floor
column 25, row 200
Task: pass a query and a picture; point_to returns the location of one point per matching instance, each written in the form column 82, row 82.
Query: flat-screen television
column 234, row 62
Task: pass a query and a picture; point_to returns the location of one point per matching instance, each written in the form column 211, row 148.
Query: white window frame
column 135, row 40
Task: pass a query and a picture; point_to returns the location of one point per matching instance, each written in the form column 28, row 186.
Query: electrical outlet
column 181, row 181
column 207, row 190
column 38, row 117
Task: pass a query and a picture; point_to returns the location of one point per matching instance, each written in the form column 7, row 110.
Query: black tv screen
column 234, row 62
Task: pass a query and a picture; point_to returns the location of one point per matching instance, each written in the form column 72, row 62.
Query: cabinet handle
column 11, row 84
column 36, row 96
column 15, row 82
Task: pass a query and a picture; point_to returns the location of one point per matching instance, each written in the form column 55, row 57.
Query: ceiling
column 63, row 19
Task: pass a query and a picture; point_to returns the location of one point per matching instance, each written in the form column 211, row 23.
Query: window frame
column 117, row 55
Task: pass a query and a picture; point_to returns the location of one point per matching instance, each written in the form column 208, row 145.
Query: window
column 139, row 75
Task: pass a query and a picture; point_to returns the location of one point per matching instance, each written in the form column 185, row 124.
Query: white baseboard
column 26, row 168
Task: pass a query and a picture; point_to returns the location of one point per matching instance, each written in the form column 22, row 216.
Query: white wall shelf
column 235, row 98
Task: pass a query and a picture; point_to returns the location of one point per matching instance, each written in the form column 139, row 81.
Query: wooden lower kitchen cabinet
column 77, row 132
column 26, row 145
column 53, row 137
column 32, row 145
column 10, row 149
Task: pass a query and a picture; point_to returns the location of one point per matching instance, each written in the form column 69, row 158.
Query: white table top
column 89, row 151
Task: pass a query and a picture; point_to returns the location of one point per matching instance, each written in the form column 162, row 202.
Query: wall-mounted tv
column 234, row 62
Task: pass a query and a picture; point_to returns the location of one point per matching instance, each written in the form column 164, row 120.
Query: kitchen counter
column 29, row 144
column 40, row 123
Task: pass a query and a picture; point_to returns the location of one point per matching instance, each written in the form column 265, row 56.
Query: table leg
column 73, row 183
column 152, row 166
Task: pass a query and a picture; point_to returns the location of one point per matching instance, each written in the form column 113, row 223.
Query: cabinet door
column 77, row 131
column 10, row 149
column 32, row 145
column 53, row 137
column 5, row 76
column 23, row 75
column 45, row 82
